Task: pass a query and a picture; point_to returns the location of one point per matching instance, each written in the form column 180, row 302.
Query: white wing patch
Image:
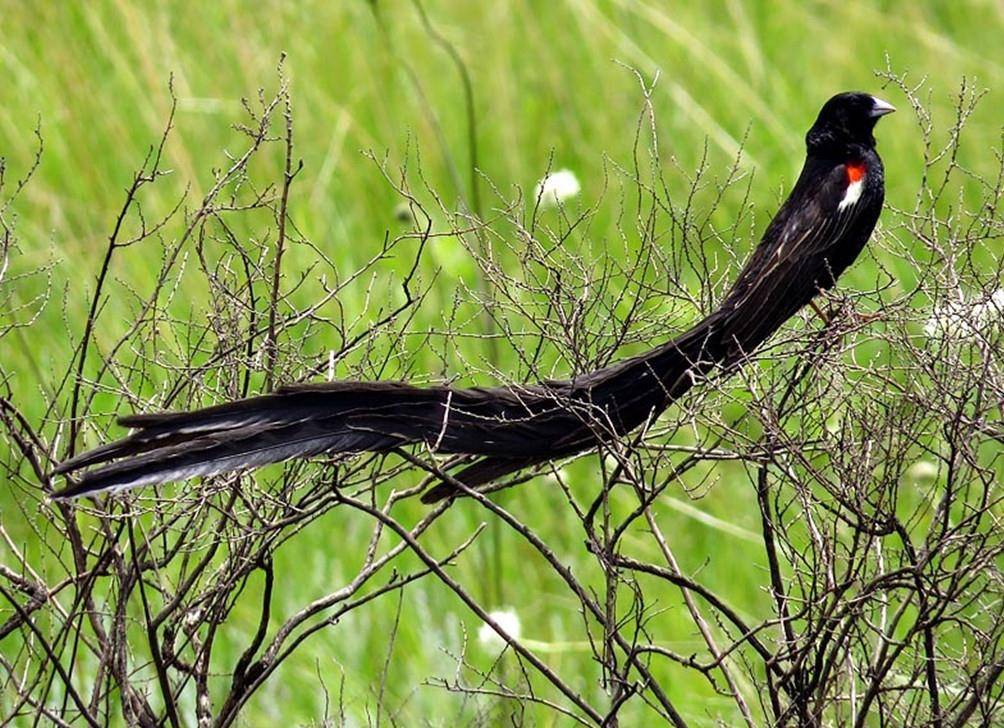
column 852, row 194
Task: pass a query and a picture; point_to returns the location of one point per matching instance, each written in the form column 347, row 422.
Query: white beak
column 880, row 107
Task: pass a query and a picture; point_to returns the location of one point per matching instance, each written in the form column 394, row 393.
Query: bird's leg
column 862, row 319
column 827, row 317
column 819, row 312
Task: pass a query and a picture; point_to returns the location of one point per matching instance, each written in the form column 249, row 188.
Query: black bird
column 817, row 233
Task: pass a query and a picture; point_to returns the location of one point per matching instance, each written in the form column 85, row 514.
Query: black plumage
column 817, row 233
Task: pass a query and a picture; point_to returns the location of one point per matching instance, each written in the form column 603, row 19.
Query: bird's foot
column 844, row 313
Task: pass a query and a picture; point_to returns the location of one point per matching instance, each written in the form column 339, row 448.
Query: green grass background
column 545, row 83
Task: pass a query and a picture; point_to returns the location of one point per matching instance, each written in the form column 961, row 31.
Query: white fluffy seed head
column 508, row 620
column 965, row 319
column 556, row 188
column 922, row 470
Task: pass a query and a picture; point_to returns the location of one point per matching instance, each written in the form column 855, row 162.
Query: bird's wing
column 798, row 256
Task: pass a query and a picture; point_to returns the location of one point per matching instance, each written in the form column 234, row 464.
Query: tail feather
column 513, row 428
column 212, row 455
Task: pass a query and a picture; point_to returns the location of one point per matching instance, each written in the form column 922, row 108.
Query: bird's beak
column 880, row 107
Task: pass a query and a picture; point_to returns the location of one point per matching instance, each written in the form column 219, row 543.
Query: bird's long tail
column 512, row 427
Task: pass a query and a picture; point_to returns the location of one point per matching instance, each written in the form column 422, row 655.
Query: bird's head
column 846, row 121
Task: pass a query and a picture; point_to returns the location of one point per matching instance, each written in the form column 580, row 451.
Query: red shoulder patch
column 855, row 171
